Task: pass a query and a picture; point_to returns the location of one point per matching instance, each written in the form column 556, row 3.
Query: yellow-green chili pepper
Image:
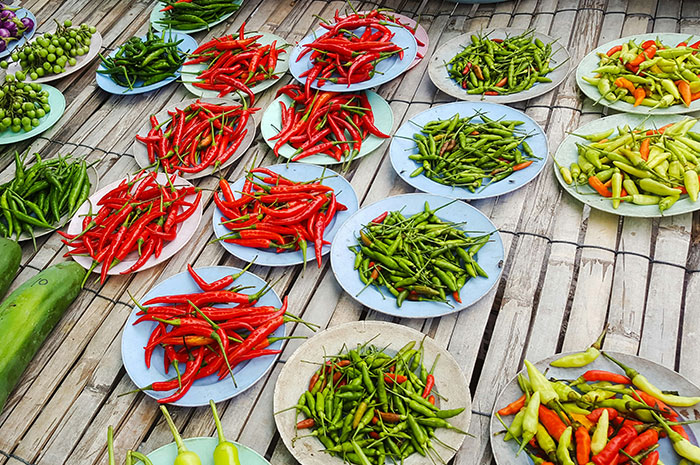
column 655, row 187
column 616, row 191
column 581, row 359
column 563, row 448
column 667, row 202
column 566, row 174
column 515, row 429
column 600, row 435
column 682, row 446
column 225, row 453
column 630, row 187
column 545, row 441
column 692, row 184
column 643, row 383
column 541, row 384
column 184, row 456
column 530, row 420
column 632, row 170
column 564, row 392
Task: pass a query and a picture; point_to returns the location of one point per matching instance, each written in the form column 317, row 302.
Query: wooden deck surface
column 568, row 272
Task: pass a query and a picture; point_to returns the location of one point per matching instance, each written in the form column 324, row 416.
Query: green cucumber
column 29, row 314
column 10, row 256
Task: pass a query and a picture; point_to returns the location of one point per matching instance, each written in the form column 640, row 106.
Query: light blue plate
column 386, row 70
column 106, row 83
column 157, row 15
column 344, row 192
column 402, row 146
column 204, row 448
column 490, row 257
column 135, row 338
column 21, row 13
column 272, row 122
column 58, row 106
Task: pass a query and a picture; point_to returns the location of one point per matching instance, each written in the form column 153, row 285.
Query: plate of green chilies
column 620, row 159
column 377, row 345
column 438, row 255
column 183, row 20
column 185, row 44
column 663, row 70
column 486, row 71
column 664, row 378
column 463, row 150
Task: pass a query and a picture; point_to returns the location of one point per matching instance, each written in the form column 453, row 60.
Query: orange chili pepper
column 684, row 90
column 599, row 186
column 522, row 165
column 583, row 445
column 513, row 407
column 639, row 95
column 625, row 84
column 644, row 149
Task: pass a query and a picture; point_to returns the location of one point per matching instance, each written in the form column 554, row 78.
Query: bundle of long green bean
column 365, row 405
column 39, row 195
column 462, row 152
column 140, row 62
column 194, row 14
column 417, row 258
column 501, row 66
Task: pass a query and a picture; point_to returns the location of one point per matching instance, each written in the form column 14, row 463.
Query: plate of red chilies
column 353, row 53
column 231, row 66
column 323, row 127
column 283, row 209
column 134, row 224
column 188, row 321
column 196, row 137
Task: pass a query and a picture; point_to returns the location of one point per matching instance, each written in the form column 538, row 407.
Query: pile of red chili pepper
column 343, row 57
column 236, row 63
column 276, row 212
column 139, row 215
column 200, row 136
column 210, row 332
column 601, row 417
column 324, row 123
column 387, row 16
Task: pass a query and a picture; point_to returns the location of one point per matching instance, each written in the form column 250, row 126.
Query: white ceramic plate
column 185, row 230
column 80, row 62
column 190, row 72
column 294, row 380
column 141, row 153
column 204, row 448
column 442, row 80
column 504, row 452
column 590, row 62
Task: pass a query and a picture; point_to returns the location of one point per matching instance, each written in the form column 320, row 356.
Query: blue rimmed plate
column 107, row 84
column 344, row 192
column 402, row 146
column 490, row 257
column 135, row 338
column 387, row 69
column 21, row 13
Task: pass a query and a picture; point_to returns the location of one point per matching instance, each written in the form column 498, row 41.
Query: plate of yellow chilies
column 645, row 74
column 632, row 165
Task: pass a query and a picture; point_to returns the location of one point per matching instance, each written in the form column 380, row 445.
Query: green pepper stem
column 629, row 372
column 217, row 421
column 173, row 429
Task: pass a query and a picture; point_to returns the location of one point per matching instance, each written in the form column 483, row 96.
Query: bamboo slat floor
column 569, row 270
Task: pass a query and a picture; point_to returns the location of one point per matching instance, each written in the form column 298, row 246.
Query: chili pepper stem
column 110, row 445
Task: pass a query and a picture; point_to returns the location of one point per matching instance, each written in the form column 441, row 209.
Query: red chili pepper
column 583, row 445
column 645, row 440
column 601, row 375
column 595, row 414
column 552, row 423
column 612, row 448
column 429, row 383
column 392, row 378
column 513, row 407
